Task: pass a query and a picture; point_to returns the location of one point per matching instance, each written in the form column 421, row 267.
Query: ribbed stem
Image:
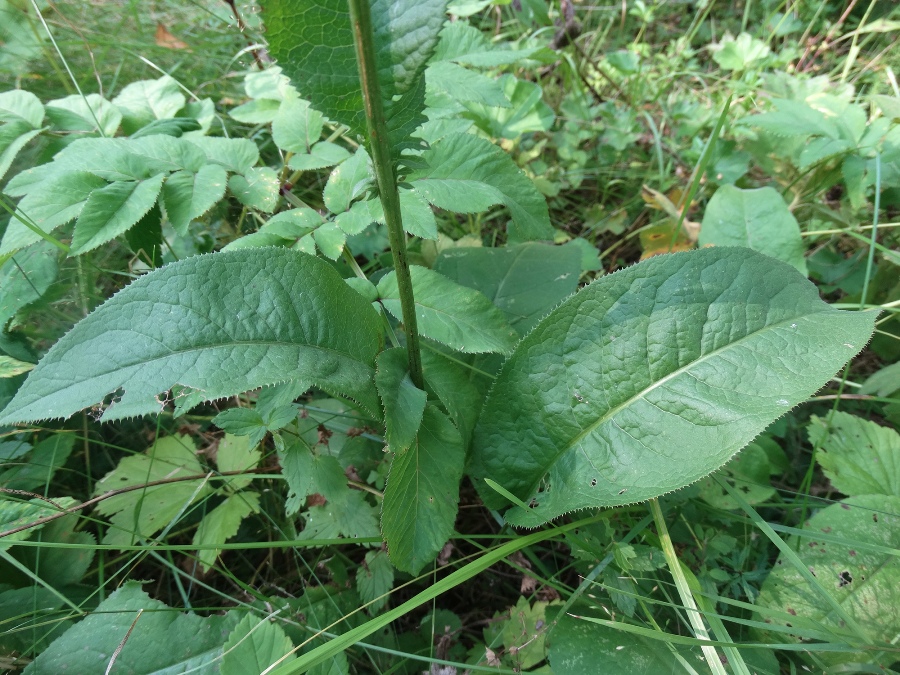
column 380, row 147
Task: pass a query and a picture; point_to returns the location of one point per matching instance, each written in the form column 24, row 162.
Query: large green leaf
column 653, row 377
column 467, row 174
column 421, row 494
column 313, row 43
column 524, row 281
column 848, row 551
column 859, row 457
column 159, row 639
column 217, row 324
column 459, row 317
column 758, row 219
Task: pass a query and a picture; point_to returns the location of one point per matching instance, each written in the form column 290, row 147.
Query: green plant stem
column 364, row 38
column 712, row 656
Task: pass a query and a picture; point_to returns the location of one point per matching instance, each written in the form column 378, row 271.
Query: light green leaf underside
column 25, row 278
column 222, row 523
column 467, row 174
column 758, row 219
column 418, row 218
column 14, row 514
column 11, row 143
column 459, row 317
column 257, row 188
column 465, row 85
column 866, row 583
column 330, row 239
column 187, row 196
column 883, row 383
column 216, row 325
column 321, row 155
column 653, row 377
column 313, row 43
column 112, row 210
column 235, row 154
column 296, row 127
column 237, row 453
column 254, row 645
column 144, row 101
column 140, row 514
column 162, row 641
column 858, row 457
column 59, row 200
column 43, row 461
column 347, row 182
column 307, row 472
column 18, row 105
column 83, row 113
column 374, row 579
column 421, row 494
column 403, row 401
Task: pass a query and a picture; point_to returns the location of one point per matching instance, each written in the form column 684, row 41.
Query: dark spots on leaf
column 852, row 553
column 792, row 611
column 844, row 579
column 874, row 517
column 826, row 530
column 845, row 506
column 593, row 482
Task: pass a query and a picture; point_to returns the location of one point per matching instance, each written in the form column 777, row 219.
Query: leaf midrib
column 612, row 412
column 179, row 352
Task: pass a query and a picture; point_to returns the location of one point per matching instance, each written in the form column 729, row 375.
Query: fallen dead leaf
column 165, row 39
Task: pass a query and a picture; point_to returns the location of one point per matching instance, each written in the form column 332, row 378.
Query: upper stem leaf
column 313, row 43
